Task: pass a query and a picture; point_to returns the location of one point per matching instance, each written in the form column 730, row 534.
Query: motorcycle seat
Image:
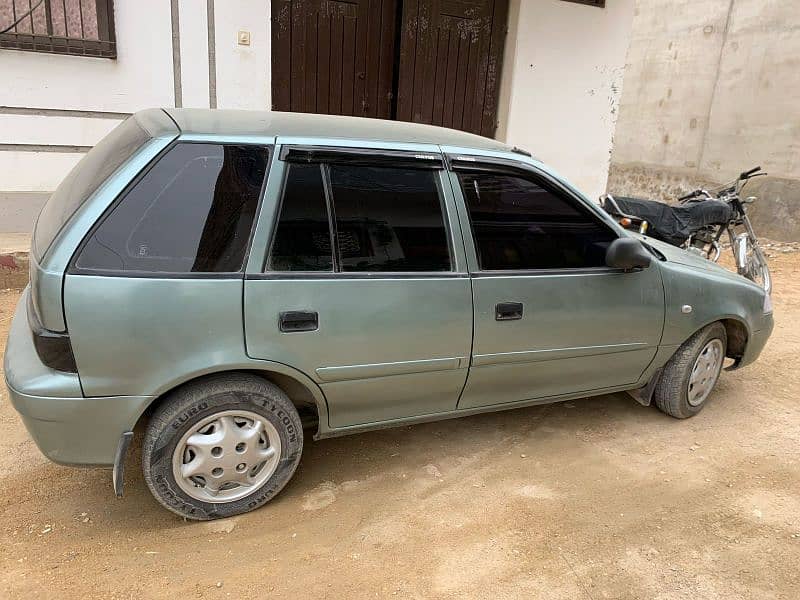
column 673, row 224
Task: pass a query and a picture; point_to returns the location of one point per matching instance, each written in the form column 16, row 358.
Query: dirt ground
column 598, row 498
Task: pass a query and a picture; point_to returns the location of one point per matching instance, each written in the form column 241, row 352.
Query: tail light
column 54, row 348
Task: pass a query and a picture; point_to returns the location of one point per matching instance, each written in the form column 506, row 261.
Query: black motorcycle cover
column 675, row 224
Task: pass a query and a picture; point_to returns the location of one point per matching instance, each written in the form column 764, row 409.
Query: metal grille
column 82, row 27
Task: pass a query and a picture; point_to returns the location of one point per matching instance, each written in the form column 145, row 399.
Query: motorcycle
column 698, row 223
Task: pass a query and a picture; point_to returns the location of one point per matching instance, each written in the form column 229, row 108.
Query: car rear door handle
column 508, row 311
column 293, row 321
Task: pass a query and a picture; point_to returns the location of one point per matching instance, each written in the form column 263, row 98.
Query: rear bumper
column 67, row 427
column 78, row 431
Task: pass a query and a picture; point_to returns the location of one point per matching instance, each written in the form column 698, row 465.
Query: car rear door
column 550, row 318
column 358, row 279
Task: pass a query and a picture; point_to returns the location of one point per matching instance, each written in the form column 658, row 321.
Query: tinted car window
column 388, row 219
column 191, row 212
column 519, row 224
column 84, row 179
column 303, row 237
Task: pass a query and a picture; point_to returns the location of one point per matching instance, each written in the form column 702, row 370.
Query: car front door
column 551, row 318
column 358, row 280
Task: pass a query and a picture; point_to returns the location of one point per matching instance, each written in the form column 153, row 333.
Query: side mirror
column 628, row 254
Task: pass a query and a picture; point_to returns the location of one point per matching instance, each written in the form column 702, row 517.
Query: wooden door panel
column 339, row 57
column 333, row 56
column 450, row 59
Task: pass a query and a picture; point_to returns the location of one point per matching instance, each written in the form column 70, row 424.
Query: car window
column 386, row 220
column 192, row 212
column 89, row 174
column 518, row 224
column 389, row 219
column 302, row 240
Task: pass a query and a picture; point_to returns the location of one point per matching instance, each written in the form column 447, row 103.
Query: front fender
column 697, row 297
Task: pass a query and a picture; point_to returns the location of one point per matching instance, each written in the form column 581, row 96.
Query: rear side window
column 381, row 219
column 519, row 224
column 192, row 212
column 303, row 237
column 84, row 179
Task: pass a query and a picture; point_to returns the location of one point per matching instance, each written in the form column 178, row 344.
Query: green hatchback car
column 221, row 280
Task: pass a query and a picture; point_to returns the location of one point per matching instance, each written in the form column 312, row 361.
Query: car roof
column 287, row 124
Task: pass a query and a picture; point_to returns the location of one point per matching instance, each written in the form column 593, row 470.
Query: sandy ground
column 598, row 498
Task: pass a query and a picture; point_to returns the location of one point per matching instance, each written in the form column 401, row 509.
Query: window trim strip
column 279, row 275
column 333, row 228
column 362, row 157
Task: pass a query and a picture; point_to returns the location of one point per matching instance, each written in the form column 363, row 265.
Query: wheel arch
column 738, row 334
column 304, row 393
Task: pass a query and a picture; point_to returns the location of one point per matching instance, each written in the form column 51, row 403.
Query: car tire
column 690, row 375
column 236, row 432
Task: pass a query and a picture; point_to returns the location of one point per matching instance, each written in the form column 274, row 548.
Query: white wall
column 140, row 77
column 561, row 84
column 243, row 72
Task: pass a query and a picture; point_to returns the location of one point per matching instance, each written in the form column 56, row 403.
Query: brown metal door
column 333, row 57
column 450, row 60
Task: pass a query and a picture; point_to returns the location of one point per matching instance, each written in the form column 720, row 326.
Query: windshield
column 84, row 179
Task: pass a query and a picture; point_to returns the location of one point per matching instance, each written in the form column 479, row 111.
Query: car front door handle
column 293, row 321
column 508, row 311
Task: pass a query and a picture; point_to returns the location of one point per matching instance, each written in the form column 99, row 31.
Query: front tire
column 692, row 372
column 221, row 446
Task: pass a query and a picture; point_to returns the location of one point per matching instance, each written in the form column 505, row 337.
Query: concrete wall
column 561, row 84
column 712, row 89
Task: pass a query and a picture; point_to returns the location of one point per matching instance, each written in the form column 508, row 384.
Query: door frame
column 502, row 163
column 343, row 383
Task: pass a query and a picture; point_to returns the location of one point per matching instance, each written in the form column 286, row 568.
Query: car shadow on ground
column 352, row 458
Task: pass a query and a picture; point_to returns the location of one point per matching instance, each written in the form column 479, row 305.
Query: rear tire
column 690, row 375
column 221, row 446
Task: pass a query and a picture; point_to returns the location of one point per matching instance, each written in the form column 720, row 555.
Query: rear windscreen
column 93, row 169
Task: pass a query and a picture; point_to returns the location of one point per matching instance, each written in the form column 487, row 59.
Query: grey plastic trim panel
column 501, row 358
column 329, row 374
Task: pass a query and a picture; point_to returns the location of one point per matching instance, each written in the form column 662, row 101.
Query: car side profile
column 221, row 280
